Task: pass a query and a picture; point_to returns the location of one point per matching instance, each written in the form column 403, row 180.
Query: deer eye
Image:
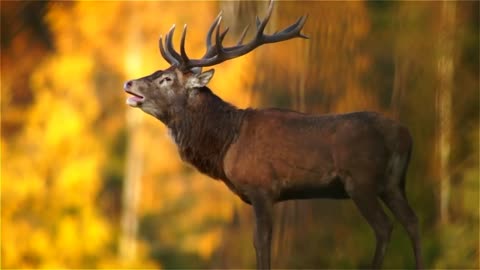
column 165, row 79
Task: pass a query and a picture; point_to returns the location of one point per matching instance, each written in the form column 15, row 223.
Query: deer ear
column 201, row 79
column 205, row 77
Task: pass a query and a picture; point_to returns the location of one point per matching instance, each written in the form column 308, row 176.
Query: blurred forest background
column 88, row 182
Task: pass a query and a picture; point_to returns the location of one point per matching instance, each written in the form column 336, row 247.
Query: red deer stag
column 272, row 155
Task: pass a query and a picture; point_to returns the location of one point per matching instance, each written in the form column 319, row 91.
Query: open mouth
column 135, row 100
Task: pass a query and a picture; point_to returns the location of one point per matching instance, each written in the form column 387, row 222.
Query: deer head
column 165, row 92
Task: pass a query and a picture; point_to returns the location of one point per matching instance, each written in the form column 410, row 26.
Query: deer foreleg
column 262, row 236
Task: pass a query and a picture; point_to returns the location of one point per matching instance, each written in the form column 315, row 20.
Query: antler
column 217, row 53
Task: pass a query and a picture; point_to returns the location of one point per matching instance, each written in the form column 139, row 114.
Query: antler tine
column 263, row 24
column 299, row 23
column 210, row 48
column 290, row 31
column 165, row 54
column 219, row 38
column 212, row 28
column 169, row 44
column 257, row 21
column 224, row 33
column 244, row 33
column 182, row 45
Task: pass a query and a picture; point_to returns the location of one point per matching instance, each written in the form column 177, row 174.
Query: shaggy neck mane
column 204, row 130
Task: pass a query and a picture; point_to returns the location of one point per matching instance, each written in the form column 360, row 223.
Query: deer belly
column 306, row 181
column 332, row 189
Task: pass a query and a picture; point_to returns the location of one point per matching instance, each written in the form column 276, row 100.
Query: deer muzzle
column 136, row 99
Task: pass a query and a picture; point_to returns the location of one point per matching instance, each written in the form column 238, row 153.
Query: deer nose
column 127, row 85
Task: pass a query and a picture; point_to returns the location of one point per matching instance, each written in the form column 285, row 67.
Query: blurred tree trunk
column 403, row 54
column 134, row 158
column 445, row 72
column 401, row 66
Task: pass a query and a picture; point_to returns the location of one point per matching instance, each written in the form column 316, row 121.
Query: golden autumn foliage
column 50, row 213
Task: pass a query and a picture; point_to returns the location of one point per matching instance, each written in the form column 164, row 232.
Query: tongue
column 134, row 101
